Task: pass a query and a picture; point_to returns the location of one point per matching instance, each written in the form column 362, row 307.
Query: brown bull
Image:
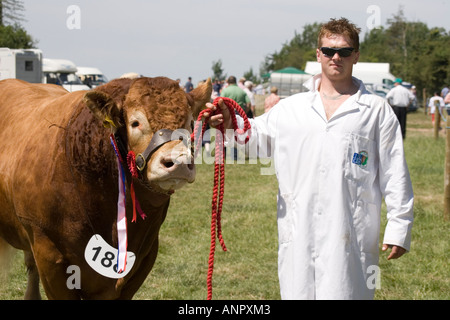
column 59, row 177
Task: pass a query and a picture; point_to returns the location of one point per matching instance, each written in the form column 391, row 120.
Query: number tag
column 103, row 258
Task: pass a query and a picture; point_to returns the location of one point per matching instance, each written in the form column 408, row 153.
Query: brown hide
column 58, row 177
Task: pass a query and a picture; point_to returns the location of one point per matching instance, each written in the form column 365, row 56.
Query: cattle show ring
column 301, row 182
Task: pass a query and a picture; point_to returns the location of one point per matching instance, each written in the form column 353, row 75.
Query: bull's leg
column 53, row 270
column 133, row 284
column 33, row 292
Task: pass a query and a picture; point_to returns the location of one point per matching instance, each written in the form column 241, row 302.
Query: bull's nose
column 180, row 162
column 167, row 163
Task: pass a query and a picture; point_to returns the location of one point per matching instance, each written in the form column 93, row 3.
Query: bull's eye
column 135, row 124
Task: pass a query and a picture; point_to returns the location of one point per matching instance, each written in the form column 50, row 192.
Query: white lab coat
column 332, row 176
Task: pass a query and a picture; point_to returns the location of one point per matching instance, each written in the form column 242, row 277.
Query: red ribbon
column 131, row 160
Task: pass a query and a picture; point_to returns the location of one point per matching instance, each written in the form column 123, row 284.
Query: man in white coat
column 338, row 150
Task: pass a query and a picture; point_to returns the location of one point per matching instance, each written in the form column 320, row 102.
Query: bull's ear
column 106, row 101
column 104, row 108
column 200, row 96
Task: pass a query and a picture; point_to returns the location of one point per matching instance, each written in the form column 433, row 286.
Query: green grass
column 424, row 272
column 248, row 270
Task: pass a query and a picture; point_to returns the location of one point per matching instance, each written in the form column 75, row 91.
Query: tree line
column 416, row 53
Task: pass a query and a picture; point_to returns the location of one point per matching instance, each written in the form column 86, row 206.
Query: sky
column 181, row 39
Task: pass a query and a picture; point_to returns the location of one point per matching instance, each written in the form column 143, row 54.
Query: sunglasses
column 342, row 52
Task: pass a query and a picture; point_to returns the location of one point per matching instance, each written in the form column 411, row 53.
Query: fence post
column 425, row 106
column 437, row 122
column 447, row 178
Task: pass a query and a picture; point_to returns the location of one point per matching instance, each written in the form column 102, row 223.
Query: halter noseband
column 159, row 138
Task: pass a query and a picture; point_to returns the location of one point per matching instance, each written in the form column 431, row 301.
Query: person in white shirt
column 338, row 150
column 400, row 98
column 435, row 102
column 249, row 91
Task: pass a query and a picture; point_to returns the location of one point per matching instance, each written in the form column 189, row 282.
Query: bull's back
column 19, row 96
column 32, row 122
column 27, row 113
column 23, row 105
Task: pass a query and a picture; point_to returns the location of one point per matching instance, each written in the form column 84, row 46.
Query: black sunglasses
column 342, row 52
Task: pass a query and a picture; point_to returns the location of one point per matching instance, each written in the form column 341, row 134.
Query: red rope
column 219, row 173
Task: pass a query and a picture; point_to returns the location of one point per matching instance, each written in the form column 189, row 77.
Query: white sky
column 178, row 39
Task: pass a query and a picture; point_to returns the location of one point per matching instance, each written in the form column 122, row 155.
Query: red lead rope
column 219, row 172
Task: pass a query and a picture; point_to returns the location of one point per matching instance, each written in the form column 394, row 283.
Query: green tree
column 218, row 70
column 15, row 37
column 12, row 34
column 11, row 10
column 416, row 53
column 295, row 53
column 436, row 60
column 251, row 76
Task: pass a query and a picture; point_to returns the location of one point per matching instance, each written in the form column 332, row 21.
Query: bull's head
column 139, row 110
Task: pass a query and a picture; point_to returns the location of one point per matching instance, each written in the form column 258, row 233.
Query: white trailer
column 63, row 73
column 289, row 81
column 91, row 77
column 23, row 64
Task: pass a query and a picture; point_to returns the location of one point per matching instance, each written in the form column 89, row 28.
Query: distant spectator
column 217, row 86
column 272, row 99
column 399, row 98
column 241, row 83
column 259, row 89
column 435, row 102
column 188, row 87
column 249, row 91
column 447, row 102
column 179, row 83
column 445, row 91
column 232, row 91
column 447, row 98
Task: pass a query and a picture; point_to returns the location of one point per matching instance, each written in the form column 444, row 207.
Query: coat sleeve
column 263, row 132
column 395, row 181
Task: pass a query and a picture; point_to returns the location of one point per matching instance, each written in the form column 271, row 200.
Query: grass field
column 248, row 270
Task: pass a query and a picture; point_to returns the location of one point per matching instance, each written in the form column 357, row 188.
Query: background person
column 399, row 97
column 272, row 99
column 434, row 104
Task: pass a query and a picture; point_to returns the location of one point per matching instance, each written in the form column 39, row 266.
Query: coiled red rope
column 219, row 171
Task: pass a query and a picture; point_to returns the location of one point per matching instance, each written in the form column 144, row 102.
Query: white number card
column 103, row 258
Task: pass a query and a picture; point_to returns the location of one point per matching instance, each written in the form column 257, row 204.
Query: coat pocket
column 285, row 210
column 360, row 164
column 366, row 224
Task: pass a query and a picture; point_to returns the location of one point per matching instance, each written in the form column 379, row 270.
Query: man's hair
column 340, row 27
column 231, row 80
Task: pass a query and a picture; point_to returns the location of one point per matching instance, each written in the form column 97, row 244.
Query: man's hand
column 221, row 118
column 396, row 251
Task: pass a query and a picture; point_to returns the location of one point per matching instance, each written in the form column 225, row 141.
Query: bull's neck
column 88, row 147
column 91, row 155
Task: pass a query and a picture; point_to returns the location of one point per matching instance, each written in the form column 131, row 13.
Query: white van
column 23, row 64
column 63, row 73
column 91, row 77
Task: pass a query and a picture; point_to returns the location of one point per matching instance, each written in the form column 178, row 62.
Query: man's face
column 336, row 67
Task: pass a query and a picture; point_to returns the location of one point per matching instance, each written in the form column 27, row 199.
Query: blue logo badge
column 360, row 159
